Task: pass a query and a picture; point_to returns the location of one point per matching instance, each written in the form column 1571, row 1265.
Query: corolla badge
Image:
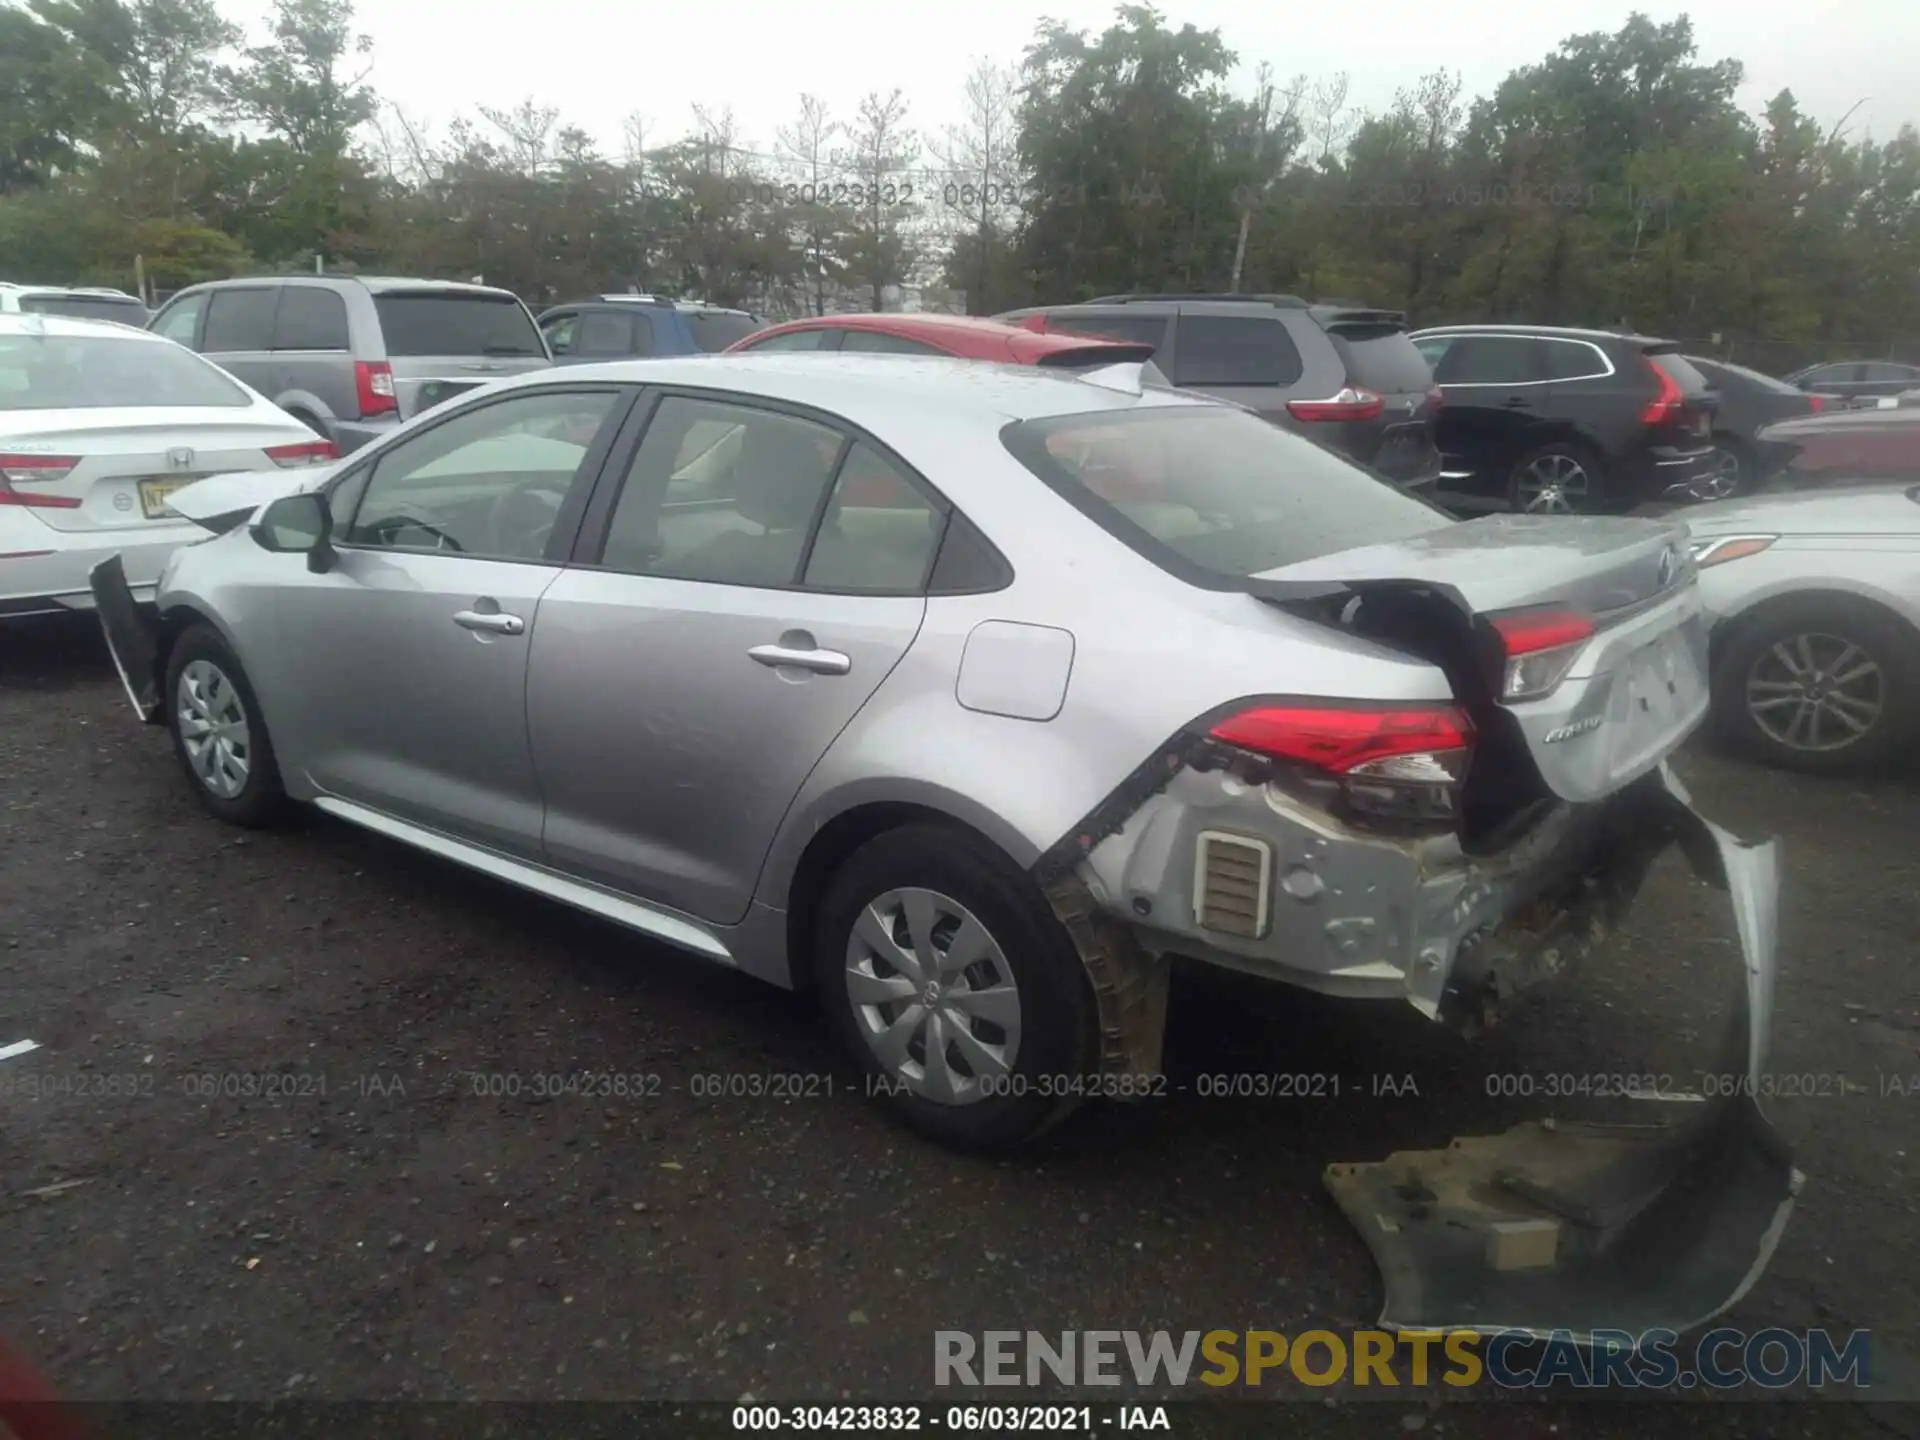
column 1567, row 732
column 1669, row 565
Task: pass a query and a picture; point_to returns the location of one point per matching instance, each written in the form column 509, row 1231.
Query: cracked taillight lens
column 1402, row 762
column 1541, row 645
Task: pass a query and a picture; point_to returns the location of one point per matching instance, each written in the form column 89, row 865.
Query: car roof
column 73, row 325
column 1545, row 332
column 984, row 337
column 872, row 390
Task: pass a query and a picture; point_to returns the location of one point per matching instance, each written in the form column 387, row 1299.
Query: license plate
column 154, row 493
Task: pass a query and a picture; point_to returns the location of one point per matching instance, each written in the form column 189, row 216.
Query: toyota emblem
column 1669, row 563
column 180, row 459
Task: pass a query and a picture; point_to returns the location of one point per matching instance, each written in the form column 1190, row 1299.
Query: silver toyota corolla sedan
column 973, row 695
column 1816, row 602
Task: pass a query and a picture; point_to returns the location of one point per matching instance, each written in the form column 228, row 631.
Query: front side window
column 723, row 493
column 239, row 320
column 1207, row 491
column 98, row 372
column 487, row 483
column 179, row 321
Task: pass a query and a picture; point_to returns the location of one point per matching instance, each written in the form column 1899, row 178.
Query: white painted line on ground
column 19, row 1047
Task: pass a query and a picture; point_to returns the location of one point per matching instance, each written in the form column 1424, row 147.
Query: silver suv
column 352, row 357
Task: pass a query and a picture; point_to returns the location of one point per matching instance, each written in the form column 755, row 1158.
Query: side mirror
column 298, row 525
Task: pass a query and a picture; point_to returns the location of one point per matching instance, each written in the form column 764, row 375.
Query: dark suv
column 627, row 327
column 1341, row 374
column 1544, row 419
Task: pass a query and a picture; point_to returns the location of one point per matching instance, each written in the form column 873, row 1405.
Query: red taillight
column 1816, row 403
column 1541, row 645
column 374, row 380
column 1417, row 743
column 36, row 470
column 1352, row 403
column 311, row 452
column 1664, row 408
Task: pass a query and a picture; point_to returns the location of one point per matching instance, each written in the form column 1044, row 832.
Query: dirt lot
column 389, row 1230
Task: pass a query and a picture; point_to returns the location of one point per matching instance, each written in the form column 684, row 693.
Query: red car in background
column 1847, row 447
column 964, row 337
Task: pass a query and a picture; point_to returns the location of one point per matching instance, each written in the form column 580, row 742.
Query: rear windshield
column 1680, row 371
column 1217, row 491
column 1382, row 358
column 457, row 324
column 1718, row 368
column 86, row 307
column 97, row 372
column 714, row 330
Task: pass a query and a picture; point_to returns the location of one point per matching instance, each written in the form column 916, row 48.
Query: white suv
column 79, row 303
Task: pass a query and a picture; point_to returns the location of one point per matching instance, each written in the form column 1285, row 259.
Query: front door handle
column 493, row 623
column 821, row 662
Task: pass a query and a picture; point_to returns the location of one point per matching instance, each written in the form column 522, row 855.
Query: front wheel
column 1819, row 684
column 218, row 732
column 955, row 989
column 1557, row 479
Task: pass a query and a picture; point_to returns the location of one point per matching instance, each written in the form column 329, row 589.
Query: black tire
column 259, row 800
column 1058, row 1032
column 1592, row 497
column 1750, row 662
column 1735, row 470
column 312, row 424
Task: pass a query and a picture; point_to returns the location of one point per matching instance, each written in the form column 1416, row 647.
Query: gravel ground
column 387, row 1229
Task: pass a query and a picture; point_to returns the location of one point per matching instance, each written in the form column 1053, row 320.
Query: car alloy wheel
column 213, row 728
column 1553, row 484
column 1722, row 478
column 1816, row 692
column 933, row 996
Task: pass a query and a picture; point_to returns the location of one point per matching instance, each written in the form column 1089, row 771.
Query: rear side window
column 875, row 342
column 795, row 340
column 1209, row 492
column 86, row 307
column 1234, row 350
column 456, row 324
column 1381, row 358
column 1140, row 329
column 310, row 318
column 714, row 330
column 1876, row 371
column 1721, row 372
column 239, row 320
column 601, row 333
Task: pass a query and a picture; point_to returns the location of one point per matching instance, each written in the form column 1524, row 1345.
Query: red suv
column 965, row 337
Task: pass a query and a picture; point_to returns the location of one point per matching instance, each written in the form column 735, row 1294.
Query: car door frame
column 257, row 367
column 1498, row 450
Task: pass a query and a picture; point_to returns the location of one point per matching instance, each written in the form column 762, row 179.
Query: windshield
column 86, row 307
column 714, row 330
column 98, row 372
column 457, row 323
column 1217, row 490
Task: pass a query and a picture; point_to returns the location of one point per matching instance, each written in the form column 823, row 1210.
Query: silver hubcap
column 1553, row 485
column 933, row 996
column 1816, row 692
column 213, row 728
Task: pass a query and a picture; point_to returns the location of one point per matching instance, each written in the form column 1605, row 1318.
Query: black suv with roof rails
column 1548, row 419
column 1338, row 372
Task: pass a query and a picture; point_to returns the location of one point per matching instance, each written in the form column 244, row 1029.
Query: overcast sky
column 600, row 60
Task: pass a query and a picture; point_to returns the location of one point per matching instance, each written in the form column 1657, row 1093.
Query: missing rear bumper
column 1557, row 1226
column 132, row 637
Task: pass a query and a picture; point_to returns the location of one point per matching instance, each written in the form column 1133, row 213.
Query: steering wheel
column 388, row 528
column 520, row 521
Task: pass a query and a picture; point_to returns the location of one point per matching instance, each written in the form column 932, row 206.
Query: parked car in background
column 1560, row 421
column 86, row 302
column 1746, row 402
column 964, row 337
column 352, row 357
column 1847, row 446
column 1343, row 375
column 99, row 424
column 1853, row 381
column 1816, row 640
column 636, row 327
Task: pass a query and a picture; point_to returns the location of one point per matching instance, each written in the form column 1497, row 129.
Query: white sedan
column 99, row 423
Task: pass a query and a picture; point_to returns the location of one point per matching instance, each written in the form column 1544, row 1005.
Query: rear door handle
column 494, row 623
column 821, row 662
column 1518, row 402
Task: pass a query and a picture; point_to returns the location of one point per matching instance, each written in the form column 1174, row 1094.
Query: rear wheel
column 1821, row 684
column 1557, row 479
column 1731, row 472
column 218, row 733
column 954, row 988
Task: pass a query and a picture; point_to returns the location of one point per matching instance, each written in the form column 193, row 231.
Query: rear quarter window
column 1210, row 493
column 456, row 324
